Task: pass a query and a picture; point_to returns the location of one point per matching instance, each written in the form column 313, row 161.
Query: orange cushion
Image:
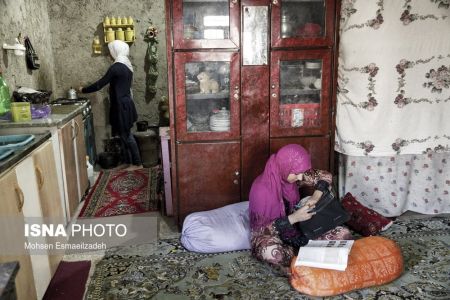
column 372, row 261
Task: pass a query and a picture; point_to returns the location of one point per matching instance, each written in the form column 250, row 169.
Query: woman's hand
column 80, row 89
column 301, row 214
column 315, row 197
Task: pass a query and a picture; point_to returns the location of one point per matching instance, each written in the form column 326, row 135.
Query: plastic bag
column 5, row 97
column 36, row 97
column 40, row 111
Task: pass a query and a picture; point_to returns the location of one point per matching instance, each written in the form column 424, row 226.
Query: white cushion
column 218, row 230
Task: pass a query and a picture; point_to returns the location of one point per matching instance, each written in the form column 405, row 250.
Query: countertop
column 53, row 120
column 20, row 153
column 8, row 272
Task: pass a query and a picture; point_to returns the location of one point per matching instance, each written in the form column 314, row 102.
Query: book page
column 325, row 254
column 331, row 244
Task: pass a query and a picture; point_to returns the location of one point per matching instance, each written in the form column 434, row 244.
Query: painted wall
column 74, row 23
column 29, row 17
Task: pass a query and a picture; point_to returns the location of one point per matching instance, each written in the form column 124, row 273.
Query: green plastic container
column 5, row 97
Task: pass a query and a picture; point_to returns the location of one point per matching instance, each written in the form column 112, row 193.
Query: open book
column 325, row 254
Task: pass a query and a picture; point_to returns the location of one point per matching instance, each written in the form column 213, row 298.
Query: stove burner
column 66, row 101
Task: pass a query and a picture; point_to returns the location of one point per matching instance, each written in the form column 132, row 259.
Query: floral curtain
column 394, row 77
column 393, row 104
column 393, row 185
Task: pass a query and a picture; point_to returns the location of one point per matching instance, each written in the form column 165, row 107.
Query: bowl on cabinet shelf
column 307, row 81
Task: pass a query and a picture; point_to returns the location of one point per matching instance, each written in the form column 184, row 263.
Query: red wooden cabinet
column 300, row 93
column 207, row 96
column 202, row 24
column 302, row 23
column 245, row 78
column 208, row 176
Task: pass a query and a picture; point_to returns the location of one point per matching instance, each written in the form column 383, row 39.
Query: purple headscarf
column 269, row 188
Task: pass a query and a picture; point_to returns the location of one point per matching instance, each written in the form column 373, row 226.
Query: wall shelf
column 127, row 29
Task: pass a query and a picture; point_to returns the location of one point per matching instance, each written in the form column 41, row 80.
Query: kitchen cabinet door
column 300, row 93
column 12, row 235
column 208, row 176
column 205, row 23
column 52, row 211
column 207, row 96
column 80, row 145
column 28, row 184
column 45, row 169
column 302, row 23
column 66, row 137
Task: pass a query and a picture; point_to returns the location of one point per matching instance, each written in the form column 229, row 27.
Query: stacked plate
column 220, row 121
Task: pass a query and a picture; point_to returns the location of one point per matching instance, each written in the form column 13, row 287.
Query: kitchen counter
column 55, row 119
column 8, row 272
column 22, row 152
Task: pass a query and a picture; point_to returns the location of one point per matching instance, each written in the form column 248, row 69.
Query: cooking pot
column 142, row 125
column 108, row 160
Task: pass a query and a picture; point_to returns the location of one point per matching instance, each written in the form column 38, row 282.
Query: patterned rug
column 123, row 192
column 166, row 271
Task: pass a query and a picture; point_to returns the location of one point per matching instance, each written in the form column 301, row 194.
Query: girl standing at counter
column 122, row 113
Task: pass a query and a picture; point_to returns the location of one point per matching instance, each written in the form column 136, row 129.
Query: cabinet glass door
column 302, row 23
column 206, row 24
column 300, row 87
column 207, row 96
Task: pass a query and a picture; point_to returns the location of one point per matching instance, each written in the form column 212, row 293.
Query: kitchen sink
column 11, row 142
column 4, row 153
column 63, row 109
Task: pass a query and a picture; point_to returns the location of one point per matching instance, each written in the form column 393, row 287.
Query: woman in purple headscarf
column 273, row 196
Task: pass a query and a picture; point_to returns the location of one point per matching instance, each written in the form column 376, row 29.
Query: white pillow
column 218, row 230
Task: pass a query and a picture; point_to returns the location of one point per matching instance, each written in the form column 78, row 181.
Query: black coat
column 122, row 112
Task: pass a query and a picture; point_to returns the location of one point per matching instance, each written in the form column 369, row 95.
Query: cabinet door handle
column 73, row 131
column 236, row 93
column 274, row 2
column 236, row 173
column 236, row 181
column 77, row 128
column 20, row 198
column 40, row 177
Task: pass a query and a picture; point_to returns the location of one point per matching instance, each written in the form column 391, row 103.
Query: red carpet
column 69, row 281
column 123, row 192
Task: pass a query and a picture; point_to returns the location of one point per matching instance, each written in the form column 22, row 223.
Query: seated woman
column 273, row 195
